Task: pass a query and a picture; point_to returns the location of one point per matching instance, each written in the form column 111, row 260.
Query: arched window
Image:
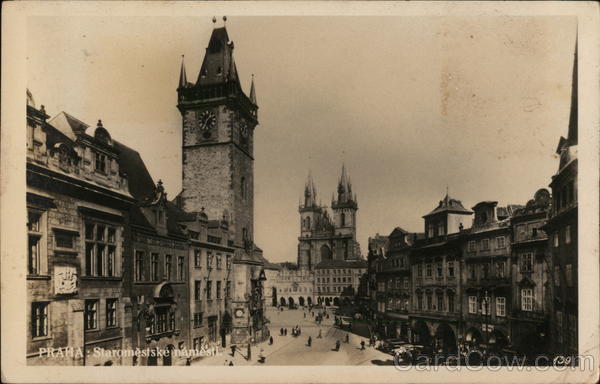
column 244, row 188
column 343, row 219
column 307, row 223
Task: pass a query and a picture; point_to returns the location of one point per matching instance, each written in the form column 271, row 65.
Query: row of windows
column 439, row 267
column 169, row 273
column 326, row 288
column 564, row 196
column 101, row 246
column 208, row 289
column 210, row 258
column 91, row 314
column 295, row 289
column 567, row 237
column 397, row 283
column 338, row 271
column 431, row 229
column 484, row 270
column 100, row 249
column 443, row 305
column 395, row 304
column 482, row 306
column 484, row 244
column 334, row 279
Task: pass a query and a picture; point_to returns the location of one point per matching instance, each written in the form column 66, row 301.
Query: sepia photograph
column 389, row 187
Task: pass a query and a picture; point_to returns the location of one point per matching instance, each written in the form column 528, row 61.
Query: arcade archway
column 291, row 302
column 336, row 301
column 309, row 301
column 301, row 301
column 327, row 301
column 421, row 333
column 445, row 339
column 282, row 301
column 498, row 340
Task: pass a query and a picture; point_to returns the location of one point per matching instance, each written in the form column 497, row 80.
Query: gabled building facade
column 435, row 269
column 78, row 201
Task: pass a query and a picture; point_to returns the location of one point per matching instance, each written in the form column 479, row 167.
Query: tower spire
column 252, row 91
column 182, row 75
column 572, row 135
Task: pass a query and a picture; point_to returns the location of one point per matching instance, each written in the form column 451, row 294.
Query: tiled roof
column 141, row 185
column 449, row 205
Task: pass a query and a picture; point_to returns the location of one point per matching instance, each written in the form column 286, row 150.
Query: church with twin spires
column 323, row 236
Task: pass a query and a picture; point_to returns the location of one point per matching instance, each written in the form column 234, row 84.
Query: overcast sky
column 411, row 105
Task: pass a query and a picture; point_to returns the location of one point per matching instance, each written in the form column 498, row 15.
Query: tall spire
column 182, row 76
column 572, row 135
column 344, row 187
column 310, row 191
column 252, row 91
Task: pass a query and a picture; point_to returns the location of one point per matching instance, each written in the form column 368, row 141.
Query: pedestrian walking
column 362, row 345
column 347, row 338
column 309, row 341
column 231, row 363
column 232, row 350
column 271, row 340
column 249, row 356
column 226, row 362
column 281, row 332
column 284, row 331
column 305, row 315
column 337, row 345
column 319, row 336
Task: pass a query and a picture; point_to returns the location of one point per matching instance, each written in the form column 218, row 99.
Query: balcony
column 530, row 315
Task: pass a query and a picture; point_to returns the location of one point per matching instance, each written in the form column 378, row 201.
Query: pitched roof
column 218, row 65
column 449, row 204
column 141, row 185
column 398, row 231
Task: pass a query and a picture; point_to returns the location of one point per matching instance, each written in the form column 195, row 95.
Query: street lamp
column 486, row 302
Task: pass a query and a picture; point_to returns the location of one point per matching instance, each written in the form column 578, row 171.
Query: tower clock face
column 207, row 122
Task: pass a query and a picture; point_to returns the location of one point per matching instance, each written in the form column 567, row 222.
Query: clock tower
column 218, row 122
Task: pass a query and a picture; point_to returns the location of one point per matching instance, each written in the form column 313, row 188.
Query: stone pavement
column 290, row 350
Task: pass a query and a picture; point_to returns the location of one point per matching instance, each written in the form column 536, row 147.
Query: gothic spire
column 343, row 187
column 572, row 135
column 252, row 91
column 182, row 76
column 310, row 191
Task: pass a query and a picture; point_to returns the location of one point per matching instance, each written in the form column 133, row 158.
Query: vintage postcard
column 300, row 192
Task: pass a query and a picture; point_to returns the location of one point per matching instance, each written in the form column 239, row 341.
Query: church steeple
column 572, row 135
column 344, row 187
column 252, row 91
column 310, row 192
column 182, row 75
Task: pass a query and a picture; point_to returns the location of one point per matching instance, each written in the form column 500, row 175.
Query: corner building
column 218, row 122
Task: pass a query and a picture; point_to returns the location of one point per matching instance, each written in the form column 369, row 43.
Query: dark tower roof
column 572, row 136
column 182, row 77
column 252, row 92
column 449, row 205
column 218, row 66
